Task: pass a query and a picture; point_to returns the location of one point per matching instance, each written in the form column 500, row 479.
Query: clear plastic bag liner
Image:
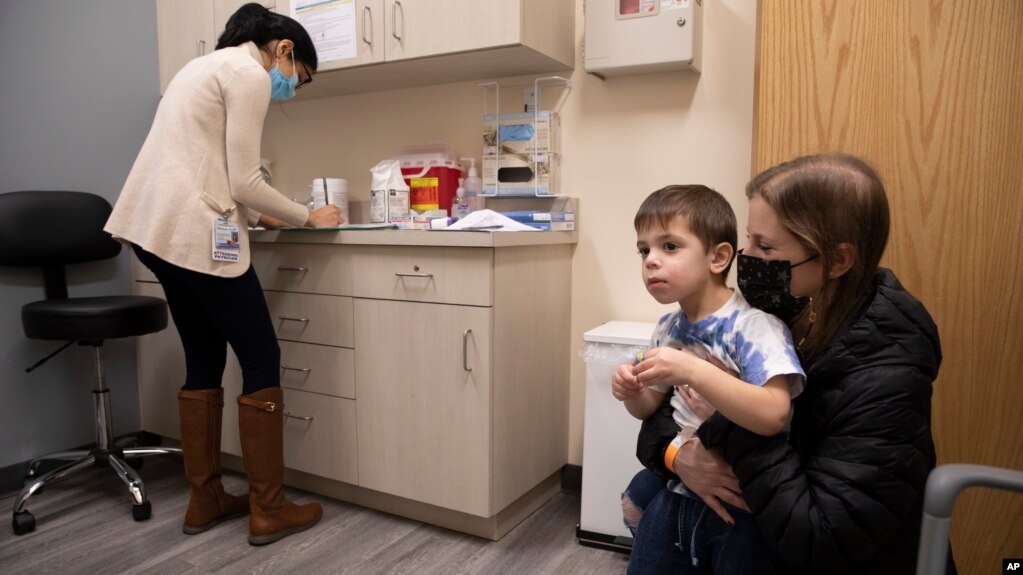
column 597, row 353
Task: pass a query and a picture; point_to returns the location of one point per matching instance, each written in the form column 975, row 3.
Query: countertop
column 472, row 239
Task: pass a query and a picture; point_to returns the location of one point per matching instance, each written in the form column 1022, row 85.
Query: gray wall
column 80, row 87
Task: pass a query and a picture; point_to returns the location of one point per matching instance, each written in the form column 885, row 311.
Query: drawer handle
column 302, row 369
column 301, row 417
column 293, row 269
column 408, row 275
column 465, row 350
column 289, row 318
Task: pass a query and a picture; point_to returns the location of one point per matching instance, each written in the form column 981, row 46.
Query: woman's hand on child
column 699, row 406
column 624, row 384
column 706, row 474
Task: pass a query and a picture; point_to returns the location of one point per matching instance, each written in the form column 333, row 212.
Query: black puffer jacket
column 843, row 493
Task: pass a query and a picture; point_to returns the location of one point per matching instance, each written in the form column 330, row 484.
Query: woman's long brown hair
column 826, row 200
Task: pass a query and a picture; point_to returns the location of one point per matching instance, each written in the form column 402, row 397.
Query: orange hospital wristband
column 672, row 450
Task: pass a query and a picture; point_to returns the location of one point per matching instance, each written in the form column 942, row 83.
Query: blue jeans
column 678, row 534
column 637, row 497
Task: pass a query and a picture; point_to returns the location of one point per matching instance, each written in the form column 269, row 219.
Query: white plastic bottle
column 460, row 207
column 473, row 187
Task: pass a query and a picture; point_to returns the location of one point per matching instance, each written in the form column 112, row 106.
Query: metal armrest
column 943, row 485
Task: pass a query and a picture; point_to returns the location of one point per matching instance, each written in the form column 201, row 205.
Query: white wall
column 623, row 138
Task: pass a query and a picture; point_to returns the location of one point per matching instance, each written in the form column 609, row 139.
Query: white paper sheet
column 490, row 221
column 331, row 25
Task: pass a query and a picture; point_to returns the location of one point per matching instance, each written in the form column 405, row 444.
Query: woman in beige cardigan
column 185, row 209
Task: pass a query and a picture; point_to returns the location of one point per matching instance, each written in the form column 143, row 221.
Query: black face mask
column 765, row 285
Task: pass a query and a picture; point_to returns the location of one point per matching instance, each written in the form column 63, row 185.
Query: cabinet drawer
column 318, row 368
column 442, row 275
column 306, row 268
column 322, row 319
column 319, row 435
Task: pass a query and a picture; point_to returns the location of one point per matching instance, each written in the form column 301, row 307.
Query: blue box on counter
column 553, row 226
column 558, row 221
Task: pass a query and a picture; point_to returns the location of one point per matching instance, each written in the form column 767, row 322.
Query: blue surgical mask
column 282, row 87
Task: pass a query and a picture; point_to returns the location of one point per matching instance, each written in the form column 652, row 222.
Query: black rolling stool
column 50, row 230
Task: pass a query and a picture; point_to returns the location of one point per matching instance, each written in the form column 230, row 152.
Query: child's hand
column 665, row 366
column 624, row 384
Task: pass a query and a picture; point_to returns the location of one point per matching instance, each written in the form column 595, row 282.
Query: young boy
column 686, row 237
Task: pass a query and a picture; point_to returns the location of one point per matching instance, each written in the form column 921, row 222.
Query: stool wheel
column 23, row 522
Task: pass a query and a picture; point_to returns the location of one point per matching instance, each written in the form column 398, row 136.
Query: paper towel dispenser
column 637, row 36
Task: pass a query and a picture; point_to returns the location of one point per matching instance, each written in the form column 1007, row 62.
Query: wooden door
column 931, row 93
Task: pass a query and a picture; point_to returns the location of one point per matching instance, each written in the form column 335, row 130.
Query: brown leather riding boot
column 208, row 504
column 261, row 422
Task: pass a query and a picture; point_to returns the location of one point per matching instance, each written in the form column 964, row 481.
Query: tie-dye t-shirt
column 753, row 343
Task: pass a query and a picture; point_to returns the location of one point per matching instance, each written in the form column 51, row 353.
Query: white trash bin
column 609, row 434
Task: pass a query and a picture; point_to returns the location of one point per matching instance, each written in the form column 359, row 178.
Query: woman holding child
column 842, row 490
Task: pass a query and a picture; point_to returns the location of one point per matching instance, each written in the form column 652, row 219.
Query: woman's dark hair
column 254, row 23
column 826, row 200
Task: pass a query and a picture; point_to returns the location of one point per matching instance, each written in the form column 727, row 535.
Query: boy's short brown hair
column 708, row 214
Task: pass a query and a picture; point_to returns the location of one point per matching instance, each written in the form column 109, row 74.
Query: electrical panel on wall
column 637, row 36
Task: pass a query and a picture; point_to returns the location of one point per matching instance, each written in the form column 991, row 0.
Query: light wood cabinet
column 420, row 28
column 189, row 28
column 400, row 43
column 317, row 372
column 449, row 275
column 467, row 349
column 425, row 380
column 438, row 425
column 368, row 23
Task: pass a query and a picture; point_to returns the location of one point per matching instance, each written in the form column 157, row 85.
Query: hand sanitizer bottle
column 473, row 187
column 460, row 207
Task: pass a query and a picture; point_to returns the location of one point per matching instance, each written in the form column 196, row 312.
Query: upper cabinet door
column 369, row 35
column 418, row 28
column 357, row 40
column 356, row 26
column 187, row 29
column 223, row 9
column 184, row 31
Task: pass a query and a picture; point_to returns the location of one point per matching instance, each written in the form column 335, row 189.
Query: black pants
column 211, row 312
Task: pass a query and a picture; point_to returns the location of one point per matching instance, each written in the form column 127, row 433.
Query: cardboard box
column 553, row 226
column 412, row 222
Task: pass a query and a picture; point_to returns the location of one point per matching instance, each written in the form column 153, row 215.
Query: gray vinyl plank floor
column 84, row 525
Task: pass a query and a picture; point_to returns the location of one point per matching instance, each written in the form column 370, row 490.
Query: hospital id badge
column 226, row 240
